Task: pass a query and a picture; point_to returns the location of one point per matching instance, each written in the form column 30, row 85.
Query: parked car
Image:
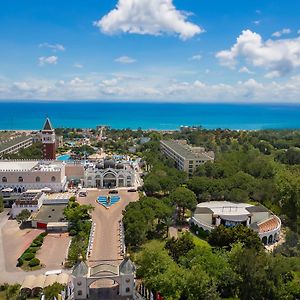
column 113, row 192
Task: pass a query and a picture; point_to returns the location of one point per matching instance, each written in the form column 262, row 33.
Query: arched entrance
column 265, row 240
column 109, row 180
column 270, row 239
column 104, row 288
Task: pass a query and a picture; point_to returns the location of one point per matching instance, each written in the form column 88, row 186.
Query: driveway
column 106, row 244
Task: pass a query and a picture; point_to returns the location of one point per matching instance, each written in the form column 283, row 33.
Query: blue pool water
column 103, row 200
column 64, row 157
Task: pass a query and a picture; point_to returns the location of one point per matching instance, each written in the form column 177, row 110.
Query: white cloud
column 245, row 70
column 272, row 74
column 54, row 47
column 282, row 32
column 153, row 17
column 78, row 66
column 151, row 87
column 196, row 57
column 282, row 56
column 256, row 22
column 50, row 60
column 125, row 60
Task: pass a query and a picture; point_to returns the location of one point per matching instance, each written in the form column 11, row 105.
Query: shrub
column 34, row 262
column 72, row 232
column 33, row 249
column 27, row 256
column 37, row 244
column 20, row 262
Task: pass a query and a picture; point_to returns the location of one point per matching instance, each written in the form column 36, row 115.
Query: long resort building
column 23, row 175
column 13, row 145
column 209, row 215
column 186, row 157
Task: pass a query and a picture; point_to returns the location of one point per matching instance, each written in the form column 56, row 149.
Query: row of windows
column 37, row 179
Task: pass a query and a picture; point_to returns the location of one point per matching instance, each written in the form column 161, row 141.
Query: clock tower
column 48, row 140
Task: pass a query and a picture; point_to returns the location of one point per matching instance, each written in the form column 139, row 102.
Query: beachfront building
column 186, row 157
column 208, row 215
column 13, row 145
column 31, row 200
column 109, row 173
column 22, row 175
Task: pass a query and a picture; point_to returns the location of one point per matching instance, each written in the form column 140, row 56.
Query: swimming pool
column 64, row 157
column 103, row 200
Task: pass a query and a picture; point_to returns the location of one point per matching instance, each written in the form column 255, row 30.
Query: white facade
column 109, row 175
column 30, row 200
column 23, row 175
column 186, row 157
column 208, row 215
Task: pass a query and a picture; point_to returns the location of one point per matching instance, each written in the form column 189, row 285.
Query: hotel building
column 109, row 173
column 186, row 157
column 23, row 175
column 13, row 145
column 209, row 215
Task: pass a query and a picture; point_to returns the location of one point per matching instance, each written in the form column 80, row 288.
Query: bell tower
column 48, row 140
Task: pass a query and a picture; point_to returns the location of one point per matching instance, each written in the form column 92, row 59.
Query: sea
column 159, row 116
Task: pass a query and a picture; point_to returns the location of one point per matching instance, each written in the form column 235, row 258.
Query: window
column 20, row 179
column 79, row 293
column 37, row 179
column 127, row 290
column 53, row 179
column 4, row 179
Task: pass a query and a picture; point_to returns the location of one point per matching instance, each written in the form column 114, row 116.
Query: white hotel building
column 209, row 215
column 186, row 157
column 23, row 175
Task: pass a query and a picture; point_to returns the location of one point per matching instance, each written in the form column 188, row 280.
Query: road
column 106, row 244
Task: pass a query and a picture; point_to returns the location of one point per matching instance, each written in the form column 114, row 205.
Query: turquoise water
column 103, row 200
column 63, row 157
column 31, row 115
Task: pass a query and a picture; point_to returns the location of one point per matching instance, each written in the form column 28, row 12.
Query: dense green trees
column 23, row 215
column 200, row 273
column 223, row 236
column 146, row 219
column 184, row 199
column 79, row 218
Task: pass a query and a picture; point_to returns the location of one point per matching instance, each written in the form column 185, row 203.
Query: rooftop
column 186, row 151
column 13, row 141
column 225, row 207
column 28, row 165
column 47, row 125
column 51, row 213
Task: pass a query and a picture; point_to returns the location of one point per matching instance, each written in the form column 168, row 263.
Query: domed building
column 209, row 215
column 109, row 173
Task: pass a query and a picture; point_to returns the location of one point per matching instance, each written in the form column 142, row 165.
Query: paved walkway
column 13, row 242
column 106, row 242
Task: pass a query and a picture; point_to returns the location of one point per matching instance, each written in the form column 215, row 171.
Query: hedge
column 27, row 256
column 34, row 262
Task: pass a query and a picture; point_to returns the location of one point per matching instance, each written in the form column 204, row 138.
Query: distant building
column 209, row 215
column 48, row 140
column 13, row 145
column 186, row 157
column 109, row 173
column 22, row 175
column 30, row 200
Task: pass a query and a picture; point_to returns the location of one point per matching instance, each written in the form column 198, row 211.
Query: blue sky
column 150, row 50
